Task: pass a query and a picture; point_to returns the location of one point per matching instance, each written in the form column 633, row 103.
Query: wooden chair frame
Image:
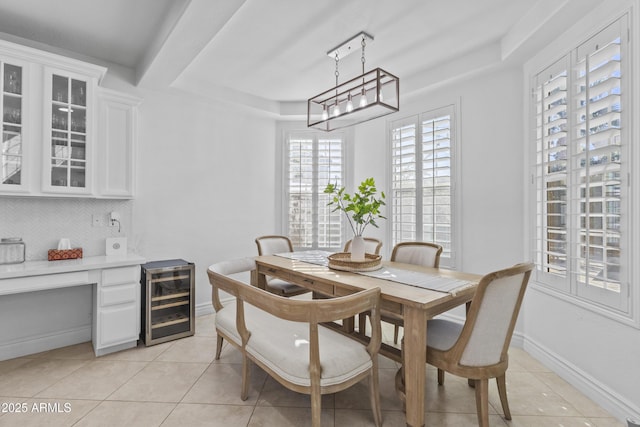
column 313, row 312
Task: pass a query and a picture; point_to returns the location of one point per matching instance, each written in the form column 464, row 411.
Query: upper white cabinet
column 68, row 132
column 62, row 134
column 12, row 111
column 117, row 135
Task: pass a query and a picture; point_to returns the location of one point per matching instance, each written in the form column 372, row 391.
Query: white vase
column 357, row 248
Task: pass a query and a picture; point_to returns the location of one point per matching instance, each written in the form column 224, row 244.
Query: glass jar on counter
column 12, row 250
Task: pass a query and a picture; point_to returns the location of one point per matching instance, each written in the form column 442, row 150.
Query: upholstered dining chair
column 417, row 253
column 478, row 349
column 269, row 245
column 371, row 246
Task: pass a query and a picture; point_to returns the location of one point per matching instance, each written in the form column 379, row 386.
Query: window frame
column 452, row 109
column 568, row 289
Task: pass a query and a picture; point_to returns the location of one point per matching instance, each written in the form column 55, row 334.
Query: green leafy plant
column 362, row 208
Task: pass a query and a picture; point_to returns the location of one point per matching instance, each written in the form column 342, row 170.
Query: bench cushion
column 283, row 346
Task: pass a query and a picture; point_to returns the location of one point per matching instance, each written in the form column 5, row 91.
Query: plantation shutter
column 311, row 162
column 421, row 180
column 404, row 177
column 436, row 182
column 582, row 158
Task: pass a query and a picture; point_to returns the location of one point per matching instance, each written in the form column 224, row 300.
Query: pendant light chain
column 362, row 59
column 337, row 72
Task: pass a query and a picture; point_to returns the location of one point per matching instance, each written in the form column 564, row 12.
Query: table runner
column 406, row 277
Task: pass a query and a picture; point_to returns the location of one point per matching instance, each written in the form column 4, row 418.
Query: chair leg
column 440, row 376
column 219, row 347
column 316, row 406
column 482, row 402
column 396, row 330
column 246, row 377
column 502, row 391
column 374, row 390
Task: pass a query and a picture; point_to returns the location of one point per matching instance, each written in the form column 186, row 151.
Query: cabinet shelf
column 169, row 305
column 170, row 278
column 171, row 296
column 170, row 320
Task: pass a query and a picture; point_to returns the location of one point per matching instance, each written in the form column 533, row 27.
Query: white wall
column 491, row 160
column 205, row 183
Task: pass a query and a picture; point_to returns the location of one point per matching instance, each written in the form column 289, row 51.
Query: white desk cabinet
column 118, row 309
column 116, row 296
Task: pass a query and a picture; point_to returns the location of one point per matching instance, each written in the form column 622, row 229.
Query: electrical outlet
column 97, row 220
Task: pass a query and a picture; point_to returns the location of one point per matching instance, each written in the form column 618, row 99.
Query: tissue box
column 61, row 254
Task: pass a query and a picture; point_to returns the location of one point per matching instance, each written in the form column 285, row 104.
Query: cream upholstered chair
column 371, row 246
column 284, row 336
column 478, row 350
column 269, row 245
column 418, row 253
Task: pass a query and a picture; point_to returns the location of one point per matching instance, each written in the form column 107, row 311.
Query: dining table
column 412, row 292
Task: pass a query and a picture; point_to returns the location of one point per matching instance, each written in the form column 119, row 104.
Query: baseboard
column 40, row 343
column 600, row 393
column 204, row 309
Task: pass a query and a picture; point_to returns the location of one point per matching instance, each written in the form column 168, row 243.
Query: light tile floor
column 179, row 384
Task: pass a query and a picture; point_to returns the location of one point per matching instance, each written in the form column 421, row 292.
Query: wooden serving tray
column 342, row 261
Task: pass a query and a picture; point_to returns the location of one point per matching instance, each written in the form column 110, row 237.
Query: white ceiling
column 272, row 53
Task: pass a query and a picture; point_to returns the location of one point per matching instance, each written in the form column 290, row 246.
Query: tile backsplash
column 42, row 222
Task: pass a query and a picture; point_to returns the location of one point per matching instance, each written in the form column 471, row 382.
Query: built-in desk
column 116, row 293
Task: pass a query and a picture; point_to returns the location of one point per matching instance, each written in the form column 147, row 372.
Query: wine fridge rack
column 168, row 301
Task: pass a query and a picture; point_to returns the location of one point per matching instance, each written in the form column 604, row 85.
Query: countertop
column 38, row 268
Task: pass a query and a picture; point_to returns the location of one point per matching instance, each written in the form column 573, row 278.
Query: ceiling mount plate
column 349, row 46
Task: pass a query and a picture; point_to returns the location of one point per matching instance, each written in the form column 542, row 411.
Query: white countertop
column 38, row 268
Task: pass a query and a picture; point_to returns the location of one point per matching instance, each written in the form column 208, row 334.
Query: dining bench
column 285, row 336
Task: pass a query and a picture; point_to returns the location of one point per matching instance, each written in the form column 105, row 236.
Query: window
column 581, row 169
column 311, row 161
column 422, row 150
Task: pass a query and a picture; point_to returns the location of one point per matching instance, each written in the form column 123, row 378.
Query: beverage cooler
column 168, row 301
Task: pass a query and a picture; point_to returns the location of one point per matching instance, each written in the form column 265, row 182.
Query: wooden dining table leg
column 258, row 279
column 415, row 362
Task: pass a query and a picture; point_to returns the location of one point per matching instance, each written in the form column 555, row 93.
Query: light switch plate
column 116, row 246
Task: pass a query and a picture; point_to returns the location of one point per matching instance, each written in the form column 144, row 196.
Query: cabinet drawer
column 118, row 324
column 119, row 294
column 118, row 276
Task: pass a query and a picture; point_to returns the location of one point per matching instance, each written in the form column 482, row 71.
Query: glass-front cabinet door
column 11, row 110
column 68, row 161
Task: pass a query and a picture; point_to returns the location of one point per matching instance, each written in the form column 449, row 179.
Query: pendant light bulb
column 363, row 99
column 349, row 104
column 325, row 114
column 336, row 110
